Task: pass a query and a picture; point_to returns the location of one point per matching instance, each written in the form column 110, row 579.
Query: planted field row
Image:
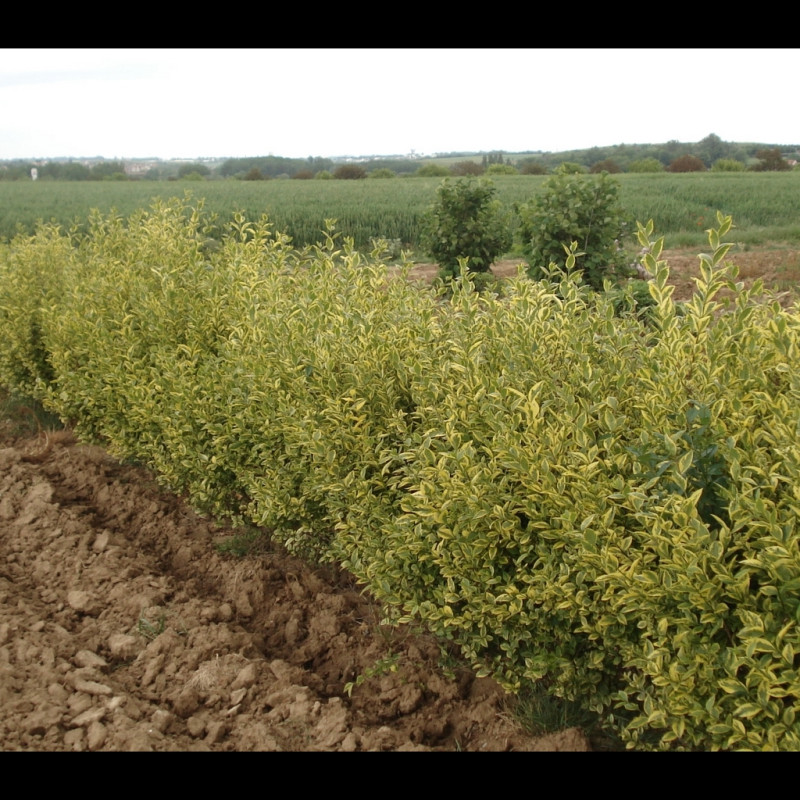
column 766, row 206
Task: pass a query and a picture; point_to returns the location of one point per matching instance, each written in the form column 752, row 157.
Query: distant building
column 135, row 168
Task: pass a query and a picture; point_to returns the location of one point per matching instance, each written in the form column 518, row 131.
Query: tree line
column 711, row 153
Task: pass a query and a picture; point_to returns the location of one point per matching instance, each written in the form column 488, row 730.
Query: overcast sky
column 174, row 103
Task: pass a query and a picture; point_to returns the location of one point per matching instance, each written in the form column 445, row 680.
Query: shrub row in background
column 599, row 502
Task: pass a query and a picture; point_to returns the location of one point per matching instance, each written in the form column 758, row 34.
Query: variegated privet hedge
column 604, row 503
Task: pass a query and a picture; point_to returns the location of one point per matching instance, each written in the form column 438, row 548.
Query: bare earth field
column 779, row 268
column 123, row 627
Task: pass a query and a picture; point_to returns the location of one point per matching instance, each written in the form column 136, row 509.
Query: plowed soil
column 125, row 627
column 778, row 267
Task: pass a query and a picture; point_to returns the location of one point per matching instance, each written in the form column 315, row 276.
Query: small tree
column 432, row 171
column 711, row 149
column 727, row 165
column 253, row 174
column 466, row 221
column 501, row 169
column 646, row 165
column 687, row 163
column 576, row 208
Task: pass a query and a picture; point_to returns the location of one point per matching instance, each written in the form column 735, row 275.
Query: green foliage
column 105, row 170
column 399, row 166
column 495, row 158
column 389, row 249
column 31, row 276
column 631, row 297
column 463, row 169
column 195, row 167
column 381, row 667
column 245, row 543
column 151, row 629
column 727, row 165
column 70, row 171
column 432, row 171
column 350, row 172
column 583, row 502
column 381, row 173
column 646, row 165
column 324, row 175
column 253, row 174
column 766, row 205
column 570, row 168
column 606, row 165
column 445, row 283
column 272, row 166
column 696, row 442
column 532, row 166
column 712, row 149
column 575, row 209
column 501, row 169
column 541, row 713
column 687, row 163
column 466, row 223
column 770, row 160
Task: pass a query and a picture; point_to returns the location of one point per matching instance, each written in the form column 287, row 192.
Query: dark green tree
column 771, row 161
column 75, row 171
column 466, row 221
column 711, row 149
column 576, row 208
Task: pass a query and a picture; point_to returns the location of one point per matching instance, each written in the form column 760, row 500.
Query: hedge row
column 605, row 503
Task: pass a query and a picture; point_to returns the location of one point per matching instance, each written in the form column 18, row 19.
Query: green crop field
column 765, row 206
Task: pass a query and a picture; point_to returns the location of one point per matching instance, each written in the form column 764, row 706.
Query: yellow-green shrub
column 599, row 502
column 31, row 279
